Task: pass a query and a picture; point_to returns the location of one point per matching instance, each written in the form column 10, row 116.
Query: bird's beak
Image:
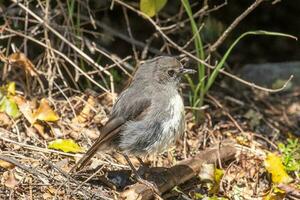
column 187, row 71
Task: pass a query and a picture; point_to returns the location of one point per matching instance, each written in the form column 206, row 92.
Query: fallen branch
column 167, row 178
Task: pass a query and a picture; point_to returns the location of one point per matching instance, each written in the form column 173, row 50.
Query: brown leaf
column 41, row 130
column 9, row 180
column 4, row 120
column 6, row 165
column 85, row 114
column 290, row 190
column 19, row 59
column 25, row 108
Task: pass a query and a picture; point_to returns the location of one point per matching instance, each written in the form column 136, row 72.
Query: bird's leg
column 132, row 167
column 144, row 168
column 139, row 178
column 140, row 161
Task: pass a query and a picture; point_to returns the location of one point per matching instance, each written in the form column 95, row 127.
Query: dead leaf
column 57, row 132
column 25, row 108
column 207, row 173
column 254, row 117
column 290, row 190
column 47, row 196
column 41, row 130
column 6, row 165
column 19, row 59
column 85, row 114
column 92, row 133
column 45, row 112
column 9, row 180
column 4, row 120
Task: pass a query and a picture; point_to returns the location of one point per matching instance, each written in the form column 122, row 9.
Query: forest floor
column 264, row 125
column 63, row 64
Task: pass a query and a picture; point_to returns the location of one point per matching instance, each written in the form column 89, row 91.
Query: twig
column 84, row 55
column 24, row 167
column 130, row 33
column 39, row 149
column 226, row 113
column 61, row 54
column 124, row 37
column 197, row 59
column 85, row 181
column 234, row 24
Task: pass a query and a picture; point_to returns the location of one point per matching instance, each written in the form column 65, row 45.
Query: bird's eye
column 171, row 72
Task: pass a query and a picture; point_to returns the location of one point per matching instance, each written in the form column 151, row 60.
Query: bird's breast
column 159, row 128
column 173, row 125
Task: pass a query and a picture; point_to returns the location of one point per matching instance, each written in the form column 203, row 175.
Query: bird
column 148, row 116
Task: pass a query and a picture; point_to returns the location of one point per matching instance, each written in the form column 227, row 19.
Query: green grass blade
column 198, row 45
column 215, row 72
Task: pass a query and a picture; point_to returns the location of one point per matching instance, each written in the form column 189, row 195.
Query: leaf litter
column 50, row 138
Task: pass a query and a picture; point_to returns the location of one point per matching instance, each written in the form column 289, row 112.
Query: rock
column 272, row 75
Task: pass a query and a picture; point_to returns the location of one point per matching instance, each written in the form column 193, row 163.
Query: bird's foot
column 149, row 184
column 143, row 170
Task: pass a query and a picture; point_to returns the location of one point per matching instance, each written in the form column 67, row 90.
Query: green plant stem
column 198, row 94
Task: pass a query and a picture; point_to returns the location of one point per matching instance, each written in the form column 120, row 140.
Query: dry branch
column 225, row 34
column 167, row 178
column 182, row 50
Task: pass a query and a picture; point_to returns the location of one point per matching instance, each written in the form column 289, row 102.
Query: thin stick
column 85, row 181
column 197, row 59
column 234, row 24
column 24, row 167
column 84, row 55
column 35, row 148
column 62, row 55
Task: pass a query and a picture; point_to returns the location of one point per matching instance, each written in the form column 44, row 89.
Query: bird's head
column 163, row 69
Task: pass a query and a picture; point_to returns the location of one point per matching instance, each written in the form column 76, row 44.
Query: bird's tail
column 101, row 143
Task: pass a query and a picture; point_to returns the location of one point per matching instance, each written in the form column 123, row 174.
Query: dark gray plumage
column 148, row 116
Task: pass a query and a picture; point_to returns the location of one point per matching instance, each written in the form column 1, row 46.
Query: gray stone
column 272, row 75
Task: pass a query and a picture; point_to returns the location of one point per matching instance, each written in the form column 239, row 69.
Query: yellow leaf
column 275, row 167
column 65, row 145
column 218, row 174
column 151, row 7
column 45, row 113
column 11, row 88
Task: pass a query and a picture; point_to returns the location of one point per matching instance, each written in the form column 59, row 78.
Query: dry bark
column 167, row 178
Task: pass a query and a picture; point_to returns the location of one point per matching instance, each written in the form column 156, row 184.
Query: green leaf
column 65, row 145
column 152, row 7
column 9, row 106
column 291, row 155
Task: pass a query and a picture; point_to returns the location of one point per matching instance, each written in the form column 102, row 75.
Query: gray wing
column 126, row 108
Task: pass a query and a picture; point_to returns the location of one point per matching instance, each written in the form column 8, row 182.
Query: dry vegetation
column 66, row 62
